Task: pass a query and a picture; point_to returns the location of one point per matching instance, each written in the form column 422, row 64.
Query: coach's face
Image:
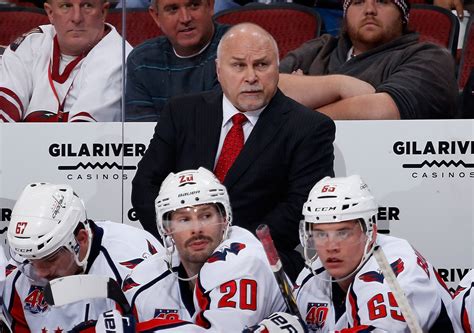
column 79, row 24
column 247, row 69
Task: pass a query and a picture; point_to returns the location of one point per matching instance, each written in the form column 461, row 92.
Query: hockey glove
column 278, row 322
column 113, row 322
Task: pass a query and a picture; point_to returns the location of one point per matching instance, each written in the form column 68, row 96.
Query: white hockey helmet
column 334, row 200
column 44, row 219
column 187, row 189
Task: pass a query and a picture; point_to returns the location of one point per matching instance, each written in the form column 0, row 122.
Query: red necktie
column 233, row 144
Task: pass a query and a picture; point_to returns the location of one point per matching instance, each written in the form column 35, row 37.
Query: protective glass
column 58, row 264
column 193, row 217
column 314, row 238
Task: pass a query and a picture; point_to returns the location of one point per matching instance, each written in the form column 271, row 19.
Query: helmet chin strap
column 169, row 253
column 83, row 263
column 227, row 230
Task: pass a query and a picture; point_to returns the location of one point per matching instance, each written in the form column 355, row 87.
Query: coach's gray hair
column 247, row 27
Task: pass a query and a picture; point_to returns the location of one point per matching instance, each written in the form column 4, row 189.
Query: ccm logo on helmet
column 23, row 250
column 324, row 209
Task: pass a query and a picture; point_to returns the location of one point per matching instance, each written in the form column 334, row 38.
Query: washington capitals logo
column 151, row 248
column 458, row 291
column 35, row 302
column 129, row 284
column 10, row 268
column 132, row 263
column 376, row 276
column 234, row 248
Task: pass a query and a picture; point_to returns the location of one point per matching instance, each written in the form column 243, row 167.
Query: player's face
column 371, row 23
column 60, row 263
column 247, row 69
column 340, row 246
column 79, row 24
column 187, row 23
column 197, row 231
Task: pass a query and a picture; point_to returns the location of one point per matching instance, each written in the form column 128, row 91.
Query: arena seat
column 467, row 55
column 436, row 25
column 15, row 21
column 140, row 25
column 290, row 24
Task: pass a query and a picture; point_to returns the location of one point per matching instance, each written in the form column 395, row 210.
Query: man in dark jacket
column 385, row 72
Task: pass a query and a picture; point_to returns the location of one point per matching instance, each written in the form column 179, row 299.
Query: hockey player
column 67, row 71
column 215, row 277
column 463, row 305
column 49, row 237
column 344, row 286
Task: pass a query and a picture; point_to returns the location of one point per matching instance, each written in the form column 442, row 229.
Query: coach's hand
column 279, row 322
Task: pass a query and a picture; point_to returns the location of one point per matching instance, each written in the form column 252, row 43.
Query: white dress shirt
column 228, row 112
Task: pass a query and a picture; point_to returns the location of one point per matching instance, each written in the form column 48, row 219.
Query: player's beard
column 199, row 257
column 358, row 36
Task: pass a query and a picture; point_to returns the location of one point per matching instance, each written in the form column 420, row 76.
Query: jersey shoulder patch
column 221, row 255
column 16, row 43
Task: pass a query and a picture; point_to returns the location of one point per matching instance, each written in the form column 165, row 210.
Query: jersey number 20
column 247, row 298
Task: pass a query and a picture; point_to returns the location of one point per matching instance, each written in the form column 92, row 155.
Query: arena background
column 421, row 172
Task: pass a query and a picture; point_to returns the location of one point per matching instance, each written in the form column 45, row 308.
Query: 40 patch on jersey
column 316, row 314
column 169, row 314
column 35, row 302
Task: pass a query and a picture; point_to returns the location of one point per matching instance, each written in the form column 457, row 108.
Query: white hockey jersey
column 235, row 288
column 34, row 88
column 154, row 291
column 116, row 250
column 369, row 301
column 463, row 305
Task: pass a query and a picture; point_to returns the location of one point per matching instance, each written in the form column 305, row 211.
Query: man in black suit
column 288, row 148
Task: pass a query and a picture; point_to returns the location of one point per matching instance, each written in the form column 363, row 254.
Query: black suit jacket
column 288, row 151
